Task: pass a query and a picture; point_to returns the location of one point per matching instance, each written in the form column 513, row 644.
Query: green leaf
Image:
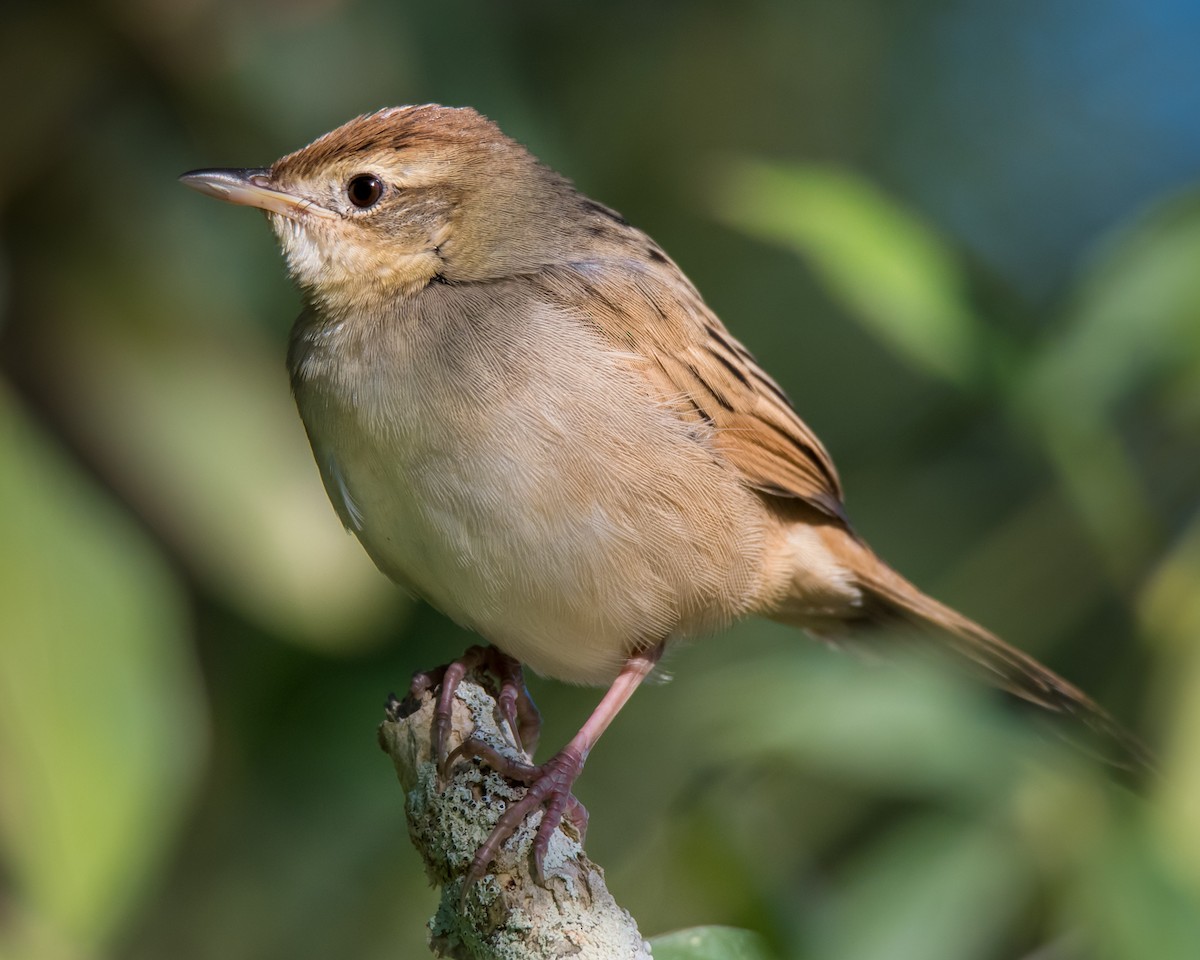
column 1136, row 313
column 101, row 732
column 1133, row 322
column 202, row 430
column 710, row 943
column 1170, row 613
column 934, row 891
column 907, row 726
column 884, row 265
column 1136, row 865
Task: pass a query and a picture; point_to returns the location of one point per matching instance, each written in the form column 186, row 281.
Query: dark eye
column 364, row 190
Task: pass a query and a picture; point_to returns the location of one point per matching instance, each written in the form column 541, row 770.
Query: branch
column 507, row 915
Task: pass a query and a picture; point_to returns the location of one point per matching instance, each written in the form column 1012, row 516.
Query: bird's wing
column 651, row 312
column 658, row 320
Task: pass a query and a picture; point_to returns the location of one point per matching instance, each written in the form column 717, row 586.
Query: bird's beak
column 252, row 188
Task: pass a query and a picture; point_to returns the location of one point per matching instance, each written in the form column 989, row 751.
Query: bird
column 529, row 417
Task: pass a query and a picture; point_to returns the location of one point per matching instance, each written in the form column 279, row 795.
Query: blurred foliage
column 709, row 943
column 99, row 706
column 893, row 272
column 994, row 324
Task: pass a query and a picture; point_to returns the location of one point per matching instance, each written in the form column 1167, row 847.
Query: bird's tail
column 890, row 595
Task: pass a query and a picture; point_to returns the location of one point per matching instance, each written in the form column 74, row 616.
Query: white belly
column 532, row 492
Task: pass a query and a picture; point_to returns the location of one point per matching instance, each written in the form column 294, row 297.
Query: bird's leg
column 516, row 706
column 550, row 782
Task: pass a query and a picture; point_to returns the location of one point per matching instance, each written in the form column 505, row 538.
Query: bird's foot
column 549, row 787
column 549, row 784
column 516, row 707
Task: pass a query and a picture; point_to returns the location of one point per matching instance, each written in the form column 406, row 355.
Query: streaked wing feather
column 656, row 316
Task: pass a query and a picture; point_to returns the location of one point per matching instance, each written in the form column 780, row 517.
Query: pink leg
column 550, row 783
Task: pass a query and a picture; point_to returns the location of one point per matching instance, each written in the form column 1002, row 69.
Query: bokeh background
column 965, row 237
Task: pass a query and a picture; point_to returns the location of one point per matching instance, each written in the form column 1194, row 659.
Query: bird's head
column 394, row 200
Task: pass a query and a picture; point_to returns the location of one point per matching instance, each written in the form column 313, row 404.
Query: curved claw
column 518, row 709
column 549, row 783
column 549, row 788
column 514, row 703
column 425, row 680
column 577, row 816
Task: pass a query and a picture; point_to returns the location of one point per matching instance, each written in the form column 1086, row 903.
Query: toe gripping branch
column 460, row 817
column 549, row 784
column 516, row 706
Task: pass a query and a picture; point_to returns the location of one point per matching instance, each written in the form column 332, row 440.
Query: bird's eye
column 364, row 190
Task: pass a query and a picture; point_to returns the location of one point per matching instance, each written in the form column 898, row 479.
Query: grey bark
column 507, row 915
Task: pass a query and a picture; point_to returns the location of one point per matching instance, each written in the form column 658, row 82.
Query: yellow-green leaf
column 889, row 269
column 710, row 943
column 100, row 723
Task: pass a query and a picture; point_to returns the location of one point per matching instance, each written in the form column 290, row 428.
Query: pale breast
column 491, row 454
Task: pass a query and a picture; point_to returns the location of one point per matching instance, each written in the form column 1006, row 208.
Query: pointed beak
column 252, row 188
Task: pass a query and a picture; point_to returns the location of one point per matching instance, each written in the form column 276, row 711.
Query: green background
column 965, row 238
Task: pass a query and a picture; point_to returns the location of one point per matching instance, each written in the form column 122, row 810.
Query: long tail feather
column 1003, row 665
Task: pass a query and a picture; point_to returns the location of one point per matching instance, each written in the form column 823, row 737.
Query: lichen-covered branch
column 507, row 915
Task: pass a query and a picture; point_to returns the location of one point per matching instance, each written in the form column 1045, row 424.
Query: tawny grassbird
column 529, row 417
